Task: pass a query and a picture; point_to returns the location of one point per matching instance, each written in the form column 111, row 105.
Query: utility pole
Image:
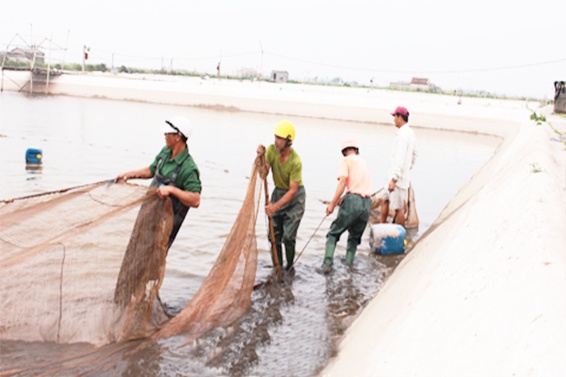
column 66, row 47
column 31, row 70
column 85, row 55
column 48, row 64
column 218, row 66
column 261, row 64
column 32, row 61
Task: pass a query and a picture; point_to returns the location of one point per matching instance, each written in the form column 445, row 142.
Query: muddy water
column 293, row 325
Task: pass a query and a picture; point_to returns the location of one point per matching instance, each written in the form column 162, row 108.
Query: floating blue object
column 387, row 238
column 34, row 156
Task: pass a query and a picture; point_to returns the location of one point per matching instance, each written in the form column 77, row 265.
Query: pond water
column 293, row 326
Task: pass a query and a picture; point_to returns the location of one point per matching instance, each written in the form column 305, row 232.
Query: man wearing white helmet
column 174, row 172
column 354, row 179
column 288, row 198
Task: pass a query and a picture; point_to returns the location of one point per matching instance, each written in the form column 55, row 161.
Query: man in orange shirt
column 354, row 178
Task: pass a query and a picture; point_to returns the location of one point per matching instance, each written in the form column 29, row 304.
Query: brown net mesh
column 143, row 268
column 61, row 255
column 225, row 293
column 411, row 215
column 86, row 264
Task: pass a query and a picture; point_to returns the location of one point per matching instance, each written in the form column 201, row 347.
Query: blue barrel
column 387, row 239
column 34, row 156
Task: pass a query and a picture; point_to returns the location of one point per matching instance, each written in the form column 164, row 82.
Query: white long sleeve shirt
column 403, row 156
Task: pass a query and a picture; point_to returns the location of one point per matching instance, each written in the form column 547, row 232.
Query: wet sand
column 483, row 291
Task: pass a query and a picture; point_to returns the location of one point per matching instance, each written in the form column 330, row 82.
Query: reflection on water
column 33, row 172
column 293, row 325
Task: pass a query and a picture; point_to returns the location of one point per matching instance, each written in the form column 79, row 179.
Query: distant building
column 417, row 84
column 279, row 76
column 23, row 55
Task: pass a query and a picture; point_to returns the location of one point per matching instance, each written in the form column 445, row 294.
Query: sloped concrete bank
column 483, row 292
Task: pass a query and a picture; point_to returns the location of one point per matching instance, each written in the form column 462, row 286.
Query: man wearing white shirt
column 396, row 193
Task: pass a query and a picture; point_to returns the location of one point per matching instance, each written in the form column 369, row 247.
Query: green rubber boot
column 350, row 254
column 329, row 254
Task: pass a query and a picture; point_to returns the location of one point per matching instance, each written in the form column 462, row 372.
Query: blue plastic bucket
column 387, row 238
column 34, row 156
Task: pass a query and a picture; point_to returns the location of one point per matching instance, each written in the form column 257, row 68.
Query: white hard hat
column 177, row 124
column 349, row 143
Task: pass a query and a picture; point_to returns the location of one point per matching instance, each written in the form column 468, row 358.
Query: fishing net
column 62, row 254
column 225, row 293
column 86, row 264
column 411, row 215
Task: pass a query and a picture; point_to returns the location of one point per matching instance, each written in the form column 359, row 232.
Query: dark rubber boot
column 290, row 255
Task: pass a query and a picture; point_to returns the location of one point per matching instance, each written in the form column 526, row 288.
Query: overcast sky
column 512, row 47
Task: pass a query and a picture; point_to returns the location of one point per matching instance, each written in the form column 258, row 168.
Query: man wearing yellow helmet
column 288, row 197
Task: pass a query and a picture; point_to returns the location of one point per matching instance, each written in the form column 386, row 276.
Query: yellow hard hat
column 285, row 129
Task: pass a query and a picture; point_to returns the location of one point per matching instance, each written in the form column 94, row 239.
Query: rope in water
column 270, row 278
column 309, row 240
column 60, row 191
column 318, row 227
